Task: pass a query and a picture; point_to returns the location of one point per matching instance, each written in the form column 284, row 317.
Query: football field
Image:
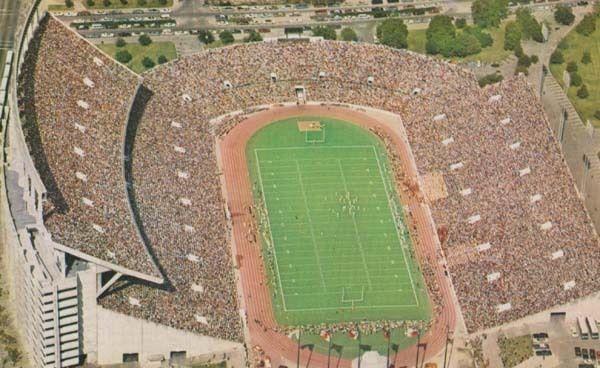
column 333, row 231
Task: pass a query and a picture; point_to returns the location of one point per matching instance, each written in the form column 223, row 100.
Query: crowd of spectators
column 517, row 237
column 75, row 101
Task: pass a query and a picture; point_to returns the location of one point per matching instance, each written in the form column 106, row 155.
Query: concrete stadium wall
column 119, row 334
column 580, row 144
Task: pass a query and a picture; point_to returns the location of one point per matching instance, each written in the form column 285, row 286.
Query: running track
column 261, row 321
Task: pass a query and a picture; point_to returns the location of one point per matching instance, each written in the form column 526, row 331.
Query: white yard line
column 310, row 226
column 270, row 233
column 362, row 251
column 396, row 282
column 396, row 226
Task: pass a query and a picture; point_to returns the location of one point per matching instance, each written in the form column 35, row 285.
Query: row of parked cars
column 540, row 344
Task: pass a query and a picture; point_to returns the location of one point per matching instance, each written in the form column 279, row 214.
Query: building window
column 178, row 356
column 131, row 357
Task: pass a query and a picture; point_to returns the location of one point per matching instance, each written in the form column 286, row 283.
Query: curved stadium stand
column 75, row 133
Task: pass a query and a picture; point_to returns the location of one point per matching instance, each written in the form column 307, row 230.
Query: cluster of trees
column 572, row 68
column 587, row 26
column 489, row 13
column 443, row 37
column 226, row 37
column 328, row 33
column 8, row 342
column 530, row 27
column 393, row 33
column 525, row 27
column 124, row 56
column 564, row 15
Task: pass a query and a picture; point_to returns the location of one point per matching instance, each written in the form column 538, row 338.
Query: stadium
column 270, row 203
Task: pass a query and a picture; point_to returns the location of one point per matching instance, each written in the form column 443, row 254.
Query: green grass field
column 333, row 229
column 139, row 52
column 590, row 73
column 417, row 39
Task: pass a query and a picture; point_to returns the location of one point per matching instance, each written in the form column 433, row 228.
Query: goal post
column 314, row 131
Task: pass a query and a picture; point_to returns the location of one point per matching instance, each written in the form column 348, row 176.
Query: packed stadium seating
column 76, row 101
column 517, row 237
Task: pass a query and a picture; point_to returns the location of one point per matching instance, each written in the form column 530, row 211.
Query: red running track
column 261, row 322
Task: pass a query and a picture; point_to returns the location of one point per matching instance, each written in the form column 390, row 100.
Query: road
column 9, row 14
column 191, row 17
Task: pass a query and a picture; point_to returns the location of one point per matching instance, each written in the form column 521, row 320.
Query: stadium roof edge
column 106, row 264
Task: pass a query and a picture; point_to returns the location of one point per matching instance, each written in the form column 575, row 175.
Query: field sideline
column 334, row 235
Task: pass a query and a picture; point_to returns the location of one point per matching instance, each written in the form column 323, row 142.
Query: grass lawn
column 138, row 52
column 417, row 40
column 493, row 54
column 59, row 7
column 590, row 73
column 129, row 4
column 333, row 230
column 515, row 350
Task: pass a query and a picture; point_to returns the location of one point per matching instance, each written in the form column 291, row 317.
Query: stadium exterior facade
column 59, row 320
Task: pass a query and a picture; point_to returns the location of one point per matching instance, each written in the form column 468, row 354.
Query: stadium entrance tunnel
column 330, row 238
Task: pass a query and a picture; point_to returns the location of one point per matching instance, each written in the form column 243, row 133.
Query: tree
column 206, row 36
column 586, row 58
column 597, row 114
column 348, row 34
column 69, row 3
column 564, row 15
column 530, row 27
column 512, row 36
column 14, row 355
column 524, row 60
column 327, row 32
column 521, row 69
column 90, row 3
column 484, row 38
column 489, row 13
column 460, row 23
column 557, row 57
column 563, row 44
column 253, row 36
column 393, row 32
column 490, row 79
column 226, row 37
column 576, row 80
column 142, row 2
column 466, row 44
column 162, row 59
column 534, row 59
column 144, row 40
column 120, row 42
column 519, row 51
column 582, row 92
column 148, row 63
column 163, row 2
column 123, row 56
column 571, row 66
column 587, row 26
column 106, row 3
column 441, row 36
